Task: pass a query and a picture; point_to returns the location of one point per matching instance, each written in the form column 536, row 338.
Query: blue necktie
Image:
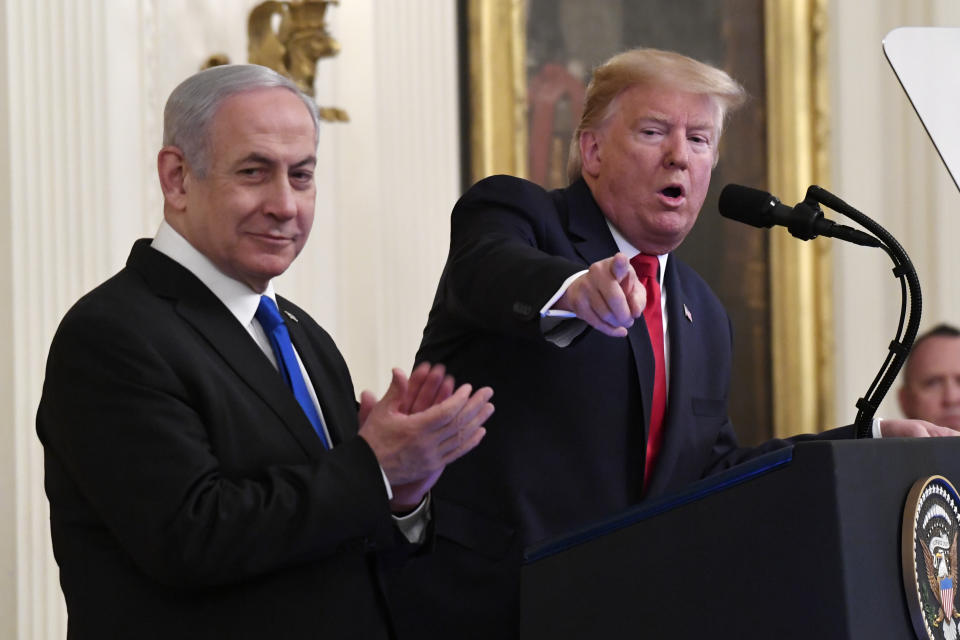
column 270, row 319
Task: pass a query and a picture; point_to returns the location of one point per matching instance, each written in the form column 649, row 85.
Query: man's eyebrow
column 653, row 118
column 259, row 158
column 255, row 157
column 661, row 119
column 700, row 126
column 309, row 161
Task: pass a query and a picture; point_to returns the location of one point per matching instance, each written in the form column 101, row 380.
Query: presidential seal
column 929, row 549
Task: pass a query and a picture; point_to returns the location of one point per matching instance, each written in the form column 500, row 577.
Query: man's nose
column 952, row 392
column 281, row 201
column 676, row 153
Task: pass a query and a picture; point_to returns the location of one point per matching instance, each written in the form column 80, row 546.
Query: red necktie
column 647, row 268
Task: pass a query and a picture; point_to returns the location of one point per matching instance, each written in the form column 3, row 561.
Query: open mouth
column 672, row 192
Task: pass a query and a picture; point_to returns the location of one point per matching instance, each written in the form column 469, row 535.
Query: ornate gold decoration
column 801, row 301
column 290, row 37
column 798, row 127
column 216, row 60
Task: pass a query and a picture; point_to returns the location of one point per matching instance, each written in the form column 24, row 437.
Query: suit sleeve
column 129, row 447
column 504, row 263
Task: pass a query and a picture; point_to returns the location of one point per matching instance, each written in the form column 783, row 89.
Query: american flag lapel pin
column 686, row 312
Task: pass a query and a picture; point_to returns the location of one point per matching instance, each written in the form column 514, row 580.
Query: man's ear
column 590, row 152
column 172, row 169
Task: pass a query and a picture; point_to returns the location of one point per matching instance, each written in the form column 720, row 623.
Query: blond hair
column 650, row 67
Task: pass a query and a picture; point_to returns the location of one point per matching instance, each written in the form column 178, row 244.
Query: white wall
column 885, row 166
column 83, row 86
column 9, row 524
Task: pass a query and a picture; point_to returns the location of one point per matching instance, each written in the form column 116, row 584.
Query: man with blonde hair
column 610, row 356
column 651, row 67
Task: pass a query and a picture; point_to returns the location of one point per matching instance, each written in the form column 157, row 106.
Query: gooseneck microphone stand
column 909, row 290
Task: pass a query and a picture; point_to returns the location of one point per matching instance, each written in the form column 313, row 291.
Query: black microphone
column 805, row 221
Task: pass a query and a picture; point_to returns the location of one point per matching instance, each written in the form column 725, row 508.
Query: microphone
column 805, row 221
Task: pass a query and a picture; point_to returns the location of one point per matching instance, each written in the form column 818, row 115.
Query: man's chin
column 670, row 231
column 663, row 242
column 952, row 422
column 265, row 269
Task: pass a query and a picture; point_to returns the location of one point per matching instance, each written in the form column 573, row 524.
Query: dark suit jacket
column 566, row 445
column 189, row 495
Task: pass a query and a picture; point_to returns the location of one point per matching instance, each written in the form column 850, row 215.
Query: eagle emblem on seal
column 934, row 552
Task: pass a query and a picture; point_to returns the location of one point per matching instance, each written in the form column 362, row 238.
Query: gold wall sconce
column 290, row 37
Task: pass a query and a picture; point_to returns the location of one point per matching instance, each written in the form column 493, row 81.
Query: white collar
column 624, row 247
column 241, row 300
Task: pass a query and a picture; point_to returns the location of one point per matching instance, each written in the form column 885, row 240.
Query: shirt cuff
column 386, row 483
column 876, row 428
column 561, row 330
column 413, row 526
column 563, row 289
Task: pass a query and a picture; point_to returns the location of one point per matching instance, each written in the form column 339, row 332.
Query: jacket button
column 523, row 309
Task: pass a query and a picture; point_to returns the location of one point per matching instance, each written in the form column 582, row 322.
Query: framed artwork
column 526, row 66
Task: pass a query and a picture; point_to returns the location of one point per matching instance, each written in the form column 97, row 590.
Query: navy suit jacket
column 566, row 444
column 189, row 495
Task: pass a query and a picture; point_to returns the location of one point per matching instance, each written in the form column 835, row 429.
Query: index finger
column 442, row 413
column 414, row 383
column 423, row 390
column 609, row 300
column 620, row 266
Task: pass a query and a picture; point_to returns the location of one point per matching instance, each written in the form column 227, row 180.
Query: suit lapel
column 592, row 240
column 318, row 367
column 586, row 224
column 200, row 308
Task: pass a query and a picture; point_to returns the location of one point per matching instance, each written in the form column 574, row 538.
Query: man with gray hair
column 209, row 471
column 610, row 356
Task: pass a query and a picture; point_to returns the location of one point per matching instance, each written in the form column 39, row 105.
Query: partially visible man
column 208, row 471
column 931, row 378
column 593, row 415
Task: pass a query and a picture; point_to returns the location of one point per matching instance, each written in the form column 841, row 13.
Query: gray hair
column 192, row 105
